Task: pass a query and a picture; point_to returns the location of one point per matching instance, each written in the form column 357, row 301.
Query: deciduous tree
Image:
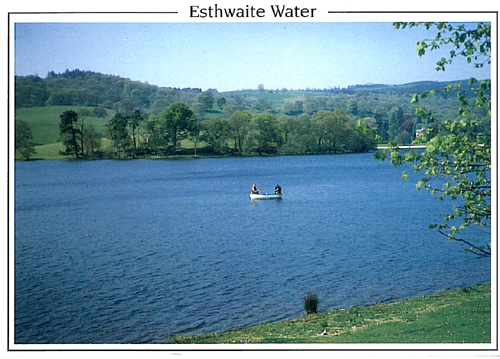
column 93, row 141
column 118, row 133
column 134, row 121
column 239, row 124
column 215, row 132
column 461, row 151
column 179, row 121
column 198, row 109
column 265, row 133
column 99, row 112
column 24, row 139
column 206, row 98
column 221, row 101
column 230, row 107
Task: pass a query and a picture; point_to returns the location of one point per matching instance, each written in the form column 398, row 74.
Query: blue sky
column 234, row 55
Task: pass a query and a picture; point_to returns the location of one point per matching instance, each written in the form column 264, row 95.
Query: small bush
column 311, row 303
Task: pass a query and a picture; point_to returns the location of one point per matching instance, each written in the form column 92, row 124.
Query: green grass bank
column 457, row 316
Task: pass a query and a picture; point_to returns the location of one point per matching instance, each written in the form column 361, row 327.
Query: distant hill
column 387, row 109
column 87, row 88
column 113, row 93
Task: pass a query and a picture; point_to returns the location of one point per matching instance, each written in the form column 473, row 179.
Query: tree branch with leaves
column 461, row 152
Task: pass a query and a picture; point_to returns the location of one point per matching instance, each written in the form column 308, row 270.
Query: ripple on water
column 156, row 248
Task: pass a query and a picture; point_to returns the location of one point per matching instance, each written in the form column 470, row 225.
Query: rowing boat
column 265, row 196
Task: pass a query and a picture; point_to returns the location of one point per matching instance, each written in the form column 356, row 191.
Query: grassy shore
column 458, row 316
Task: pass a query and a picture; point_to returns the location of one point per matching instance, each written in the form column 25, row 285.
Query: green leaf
column 421, row 46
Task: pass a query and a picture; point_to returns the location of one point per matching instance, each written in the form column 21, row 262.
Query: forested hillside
column 86, row 88
column 118, row 117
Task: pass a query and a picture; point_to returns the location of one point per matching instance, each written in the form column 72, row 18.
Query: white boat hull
column 265, row 196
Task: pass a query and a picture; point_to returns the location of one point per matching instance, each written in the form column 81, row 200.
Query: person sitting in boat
column 254, row 189
column 277, row 190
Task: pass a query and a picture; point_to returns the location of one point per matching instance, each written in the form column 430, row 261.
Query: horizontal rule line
column 413, row 12
column 97, row 12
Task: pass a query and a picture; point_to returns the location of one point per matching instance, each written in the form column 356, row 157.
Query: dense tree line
column 326, row 132
column 386, row 109
column 260, row 121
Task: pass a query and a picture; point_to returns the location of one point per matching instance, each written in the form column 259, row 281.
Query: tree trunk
column 74, row 141
column 174, row 142
column 81, row 137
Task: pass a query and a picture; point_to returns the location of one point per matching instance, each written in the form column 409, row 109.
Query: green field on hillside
column 44, row 121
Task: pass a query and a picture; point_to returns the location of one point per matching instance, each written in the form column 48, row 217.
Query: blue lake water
column 135, row 251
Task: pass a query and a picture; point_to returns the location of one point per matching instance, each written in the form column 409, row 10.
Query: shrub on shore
column 310, row 301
